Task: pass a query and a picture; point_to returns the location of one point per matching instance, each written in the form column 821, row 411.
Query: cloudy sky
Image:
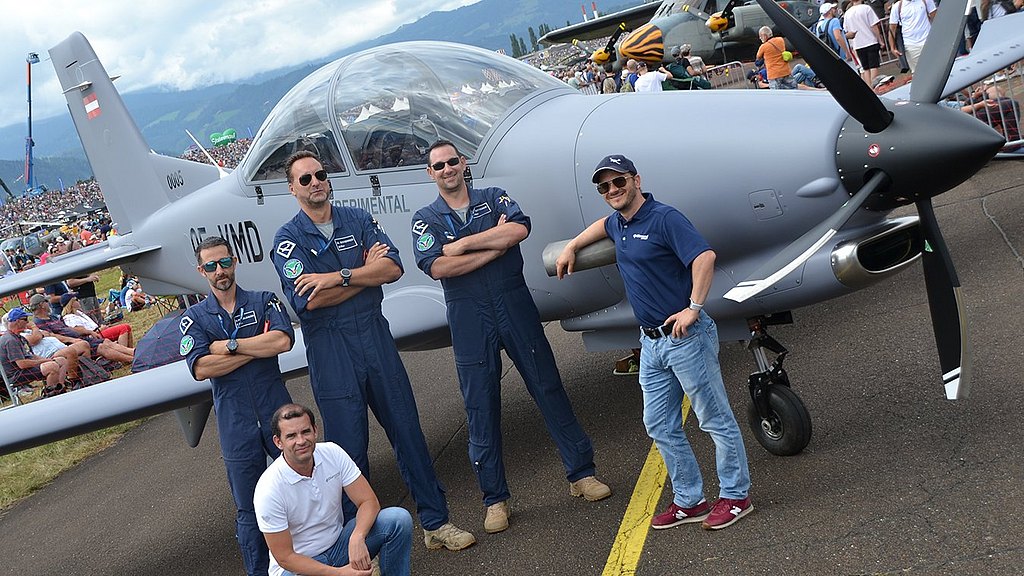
column 185, row 43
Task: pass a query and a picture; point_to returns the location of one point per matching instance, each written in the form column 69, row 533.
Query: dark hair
column 288, row 412
column 441, row 143
column 212, row 242
column 295, row 158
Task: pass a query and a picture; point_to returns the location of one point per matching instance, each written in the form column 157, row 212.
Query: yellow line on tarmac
column 636, row 521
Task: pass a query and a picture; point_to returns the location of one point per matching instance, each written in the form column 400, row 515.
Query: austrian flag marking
column 92, row 106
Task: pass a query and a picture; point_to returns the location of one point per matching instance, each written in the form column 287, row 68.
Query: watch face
column 232, row 345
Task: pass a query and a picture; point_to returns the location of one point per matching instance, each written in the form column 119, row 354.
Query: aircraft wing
column 116, row 401
column 77, row 263
column 602, row 27
column 996, row 48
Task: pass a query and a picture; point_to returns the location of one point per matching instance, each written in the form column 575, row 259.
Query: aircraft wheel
column 787, row 429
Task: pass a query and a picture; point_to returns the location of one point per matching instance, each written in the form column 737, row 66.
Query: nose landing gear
column 777, row 416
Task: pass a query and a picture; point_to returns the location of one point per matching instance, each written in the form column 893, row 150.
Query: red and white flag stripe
column 92, row 106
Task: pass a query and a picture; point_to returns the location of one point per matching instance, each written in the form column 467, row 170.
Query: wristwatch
column 695, row 306
column 232, row 346
column 346, row 276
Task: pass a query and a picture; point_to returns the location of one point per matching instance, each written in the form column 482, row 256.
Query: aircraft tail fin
column 136, row 181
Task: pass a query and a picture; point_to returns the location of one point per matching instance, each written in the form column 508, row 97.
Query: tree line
column 519, row 45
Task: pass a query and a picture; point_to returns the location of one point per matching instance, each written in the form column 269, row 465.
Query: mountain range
column 163, row 116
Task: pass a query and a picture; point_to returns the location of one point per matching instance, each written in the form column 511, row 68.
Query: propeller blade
column 848, row 89
column 805, row 246
column 939, row 52
column 945, row 301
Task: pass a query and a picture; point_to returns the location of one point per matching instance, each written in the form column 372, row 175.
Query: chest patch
column 481, row 209
column 243, row 318
column 346, row 243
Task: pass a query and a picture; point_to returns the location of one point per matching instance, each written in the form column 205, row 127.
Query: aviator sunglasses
column 226, row 262
column 618, row 181
column 438, row 166
column 305, row 179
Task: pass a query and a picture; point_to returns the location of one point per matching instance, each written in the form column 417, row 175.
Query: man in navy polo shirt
column 234, row 338
column 667, row 269
column 469, row 240
column 332, row 261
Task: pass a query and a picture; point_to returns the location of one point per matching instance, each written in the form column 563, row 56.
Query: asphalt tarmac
column 896, row 479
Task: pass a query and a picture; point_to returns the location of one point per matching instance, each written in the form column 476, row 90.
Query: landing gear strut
column 777, row 416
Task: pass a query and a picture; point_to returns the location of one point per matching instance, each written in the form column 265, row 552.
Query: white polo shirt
column 309, row 508
column 913, row 16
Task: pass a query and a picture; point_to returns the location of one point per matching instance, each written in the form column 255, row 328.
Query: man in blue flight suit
column 332, row 262
column 233, row 338
column 469, row 240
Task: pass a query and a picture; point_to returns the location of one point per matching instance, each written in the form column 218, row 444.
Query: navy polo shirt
column 654, row 251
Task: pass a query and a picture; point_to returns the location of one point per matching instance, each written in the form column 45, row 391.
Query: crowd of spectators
column 49, row 206
column 227, row 156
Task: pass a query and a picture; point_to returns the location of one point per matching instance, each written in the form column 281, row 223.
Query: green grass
column 22, row 473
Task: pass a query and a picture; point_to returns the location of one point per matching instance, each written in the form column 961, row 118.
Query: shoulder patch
column 424, row 242
column 284, row 249
column 419, row 227
column 274, row 303
column 187, row 342
column 504, row 199
column 185, row 324
column 292, row 268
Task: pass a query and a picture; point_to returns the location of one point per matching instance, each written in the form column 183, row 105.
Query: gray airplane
column 802, row 219
column 716, row 30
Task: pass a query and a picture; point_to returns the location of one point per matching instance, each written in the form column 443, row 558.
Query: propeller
column 845, row 85
column 916, row 138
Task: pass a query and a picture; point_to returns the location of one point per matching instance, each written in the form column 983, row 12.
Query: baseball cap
column 65, row 298
column 16, row 314
column 615, row 162
column 37, row 299
column 825, row 7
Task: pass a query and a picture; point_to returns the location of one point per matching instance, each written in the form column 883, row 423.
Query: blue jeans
column 390, row 538
column 669, row 368
column 803, row 75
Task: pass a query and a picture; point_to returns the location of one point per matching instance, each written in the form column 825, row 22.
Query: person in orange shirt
column 780, row 77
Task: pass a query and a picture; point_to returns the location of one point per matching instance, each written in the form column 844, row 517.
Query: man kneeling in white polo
column 298, row 508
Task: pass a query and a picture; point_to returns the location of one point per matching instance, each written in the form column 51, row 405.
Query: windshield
column 390, row 103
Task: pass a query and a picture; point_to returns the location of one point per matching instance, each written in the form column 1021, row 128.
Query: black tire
column 787, row 430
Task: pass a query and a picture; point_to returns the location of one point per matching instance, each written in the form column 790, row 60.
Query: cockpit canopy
column 389, row 104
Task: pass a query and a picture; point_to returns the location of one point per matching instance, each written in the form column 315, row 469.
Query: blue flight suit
column 244, row 400
column 353, row 360
column 489, row 309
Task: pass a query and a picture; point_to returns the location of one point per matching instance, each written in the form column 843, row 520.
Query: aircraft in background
column 715, row 34
column 787, row 235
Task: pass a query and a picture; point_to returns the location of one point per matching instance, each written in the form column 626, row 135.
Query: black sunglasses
column 618, row 181
column 226, row 262
column 305, row 179
column 438, row 166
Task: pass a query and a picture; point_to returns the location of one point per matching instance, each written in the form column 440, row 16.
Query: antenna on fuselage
column 220, row 170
